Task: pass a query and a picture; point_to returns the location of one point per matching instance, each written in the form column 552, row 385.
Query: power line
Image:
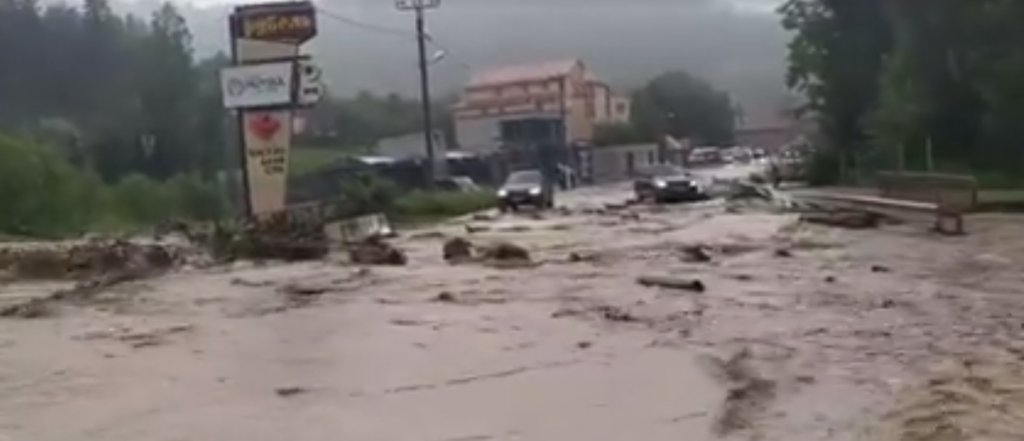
column 365, row 25
column 380, row 29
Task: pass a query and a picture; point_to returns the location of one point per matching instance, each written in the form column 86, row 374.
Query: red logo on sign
column 264, row 126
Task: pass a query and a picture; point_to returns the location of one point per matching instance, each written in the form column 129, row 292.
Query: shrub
column 195, row 199
column 362, row 194
column 40, row 193
column 426, row 205
column 823, row 167
column 139, row 199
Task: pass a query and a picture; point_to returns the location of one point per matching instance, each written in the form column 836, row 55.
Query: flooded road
column 796, row 333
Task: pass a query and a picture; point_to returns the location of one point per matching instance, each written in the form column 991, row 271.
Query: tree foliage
column 678, row 104
column 891, row 80
column 361, row 120
column 110, row 118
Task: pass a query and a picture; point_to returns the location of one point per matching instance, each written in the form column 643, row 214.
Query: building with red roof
column 562, row 90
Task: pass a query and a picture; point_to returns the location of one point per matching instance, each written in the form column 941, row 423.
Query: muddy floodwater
column 782, row 331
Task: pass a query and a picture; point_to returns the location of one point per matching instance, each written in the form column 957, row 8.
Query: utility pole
column 928, row 155
column 419, row 7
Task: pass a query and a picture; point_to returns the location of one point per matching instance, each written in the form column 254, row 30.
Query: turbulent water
column 800, row 333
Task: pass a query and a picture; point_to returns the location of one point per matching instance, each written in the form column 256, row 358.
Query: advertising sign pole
column 239, row 127
column 264, row 87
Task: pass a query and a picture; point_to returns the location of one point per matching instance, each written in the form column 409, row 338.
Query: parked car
column 668, row 183
column 457, row 184
column 705, row 156
column 526, row 188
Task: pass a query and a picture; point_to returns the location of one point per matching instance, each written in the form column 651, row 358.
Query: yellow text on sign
column 297, row 26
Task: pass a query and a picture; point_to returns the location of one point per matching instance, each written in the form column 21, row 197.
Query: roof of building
column 524, row 72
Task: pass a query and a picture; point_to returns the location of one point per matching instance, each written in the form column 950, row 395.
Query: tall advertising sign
column 267, row 82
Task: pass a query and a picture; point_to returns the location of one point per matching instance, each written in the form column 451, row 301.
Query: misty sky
column 736, row 44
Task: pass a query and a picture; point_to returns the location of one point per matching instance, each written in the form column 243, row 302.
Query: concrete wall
column 621, row 109
column 602, row 102
column 613, row 163
column 478, row 134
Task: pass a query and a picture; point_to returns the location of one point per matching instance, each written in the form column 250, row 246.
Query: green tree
column 679, row 104
column 913, row 83
column 835, row 59
column 40, row 194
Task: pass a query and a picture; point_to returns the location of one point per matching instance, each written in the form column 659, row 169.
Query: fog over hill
column 737, row 45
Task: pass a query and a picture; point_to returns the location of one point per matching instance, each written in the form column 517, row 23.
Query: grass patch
column 308, row 159
column 1001, row 200
column 426, row 206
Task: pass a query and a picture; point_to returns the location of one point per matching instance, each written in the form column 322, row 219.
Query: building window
column 652, row 157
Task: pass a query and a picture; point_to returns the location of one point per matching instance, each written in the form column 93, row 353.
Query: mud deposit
column 799, row 332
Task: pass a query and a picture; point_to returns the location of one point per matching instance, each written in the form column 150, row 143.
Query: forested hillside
column 892, row 80
column 111, row 118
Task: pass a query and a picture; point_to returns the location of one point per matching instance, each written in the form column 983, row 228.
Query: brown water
column 809, row 343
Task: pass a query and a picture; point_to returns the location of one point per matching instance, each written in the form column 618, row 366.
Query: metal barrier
column 953, row 193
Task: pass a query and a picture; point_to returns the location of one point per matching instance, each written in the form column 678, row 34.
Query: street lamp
column 437, row 57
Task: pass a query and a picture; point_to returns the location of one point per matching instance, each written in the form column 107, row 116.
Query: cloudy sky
column 367, row 44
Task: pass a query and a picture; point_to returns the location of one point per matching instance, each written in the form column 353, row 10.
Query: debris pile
column 971, row 398
column 858, row 220
column 499, row 254
column 752, row 195
column 79, row 261
column 282, row 235
column 374, row 250
column 96, row 266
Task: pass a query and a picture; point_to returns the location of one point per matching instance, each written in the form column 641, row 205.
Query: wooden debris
column 694, row 285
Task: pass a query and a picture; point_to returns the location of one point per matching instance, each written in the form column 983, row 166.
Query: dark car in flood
column 525, row 188
column 667, row 183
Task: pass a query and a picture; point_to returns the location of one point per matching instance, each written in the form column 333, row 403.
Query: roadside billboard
column 267, row 141
column 286, row 22
column 257, row 85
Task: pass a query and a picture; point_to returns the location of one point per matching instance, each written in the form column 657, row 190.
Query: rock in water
column 457, row 250
column 505, row 251
column 375, row 251
column 696, row 253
